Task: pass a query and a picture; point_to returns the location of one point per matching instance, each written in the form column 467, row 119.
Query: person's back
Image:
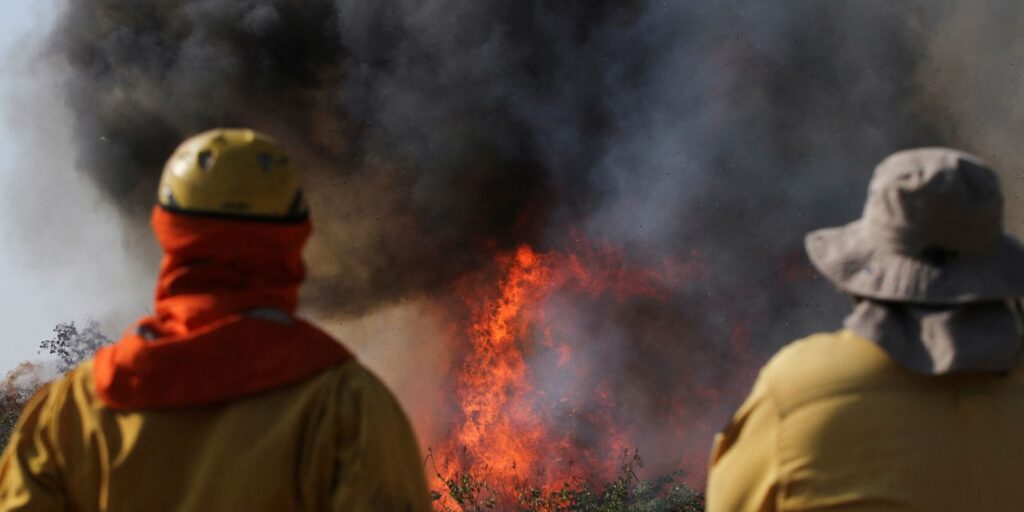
column 836, row 424
column 223, row 399
column 336, row 441
column 918, row 404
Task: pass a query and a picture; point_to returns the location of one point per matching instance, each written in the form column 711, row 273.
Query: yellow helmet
column 234, row 173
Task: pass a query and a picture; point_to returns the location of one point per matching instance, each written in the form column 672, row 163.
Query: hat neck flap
column 939, row 340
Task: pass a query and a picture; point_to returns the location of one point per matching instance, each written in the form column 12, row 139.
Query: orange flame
column 507, row 427
column 497, row 432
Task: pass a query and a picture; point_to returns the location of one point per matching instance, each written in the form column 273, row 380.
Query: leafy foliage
column 72, row 346
column 463, row 492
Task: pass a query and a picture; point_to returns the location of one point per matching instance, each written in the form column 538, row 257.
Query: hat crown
column 934, row 203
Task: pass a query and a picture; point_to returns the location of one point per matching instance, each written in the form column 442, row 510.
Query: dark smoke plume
column 434, row 133
column 440, row 128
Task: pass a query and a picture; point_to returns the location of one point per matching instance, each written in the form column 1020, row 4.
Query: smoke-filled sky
column 433, row 134
column 59, row 242
column 435, row 130
column 17, row 290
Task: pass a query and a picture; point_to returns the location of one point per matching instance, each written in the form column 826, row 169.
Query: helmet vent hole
column 205, row 160
column 265, row 161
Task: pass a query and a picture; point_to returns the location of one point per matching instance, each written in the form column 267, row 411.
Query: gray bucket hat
column 931, row 233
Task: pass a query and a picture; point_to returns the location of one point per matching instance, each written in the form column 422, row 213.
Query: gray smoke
column 972, row 73
column 464, row 125
column 435, row 133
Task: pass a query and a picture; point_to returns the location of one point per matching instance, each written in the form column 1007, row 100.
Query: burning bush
column 536, row 418
column 530, row 398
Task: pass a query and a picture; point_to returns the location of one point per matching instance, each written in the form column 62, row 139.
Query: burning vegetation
column 520, row 437
column 602, row 202
column 507, row 425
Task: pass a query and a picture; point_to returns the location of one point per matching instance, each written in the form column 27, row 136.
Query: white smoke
column 65, row 253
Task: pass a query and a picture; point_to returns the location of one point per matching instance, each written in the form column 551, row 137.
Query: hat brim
column 846, row 257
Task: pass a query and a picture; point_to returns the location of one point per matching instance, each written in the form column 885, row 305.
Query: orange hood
column 200, row 346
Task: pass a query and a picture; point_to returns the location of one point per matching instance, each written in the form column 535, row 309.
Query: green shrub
column 465, row 492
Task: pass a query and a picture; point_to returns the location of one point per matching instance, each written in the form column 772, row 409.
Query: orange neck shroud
column 202, row 347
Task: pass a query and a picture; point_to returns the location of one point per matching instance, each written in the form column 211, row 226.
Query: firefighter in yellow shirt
column 223, row 399
column 918, row 403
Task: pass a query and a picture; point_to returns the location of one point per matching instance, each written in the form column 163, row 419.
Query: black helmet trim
column 291, row 218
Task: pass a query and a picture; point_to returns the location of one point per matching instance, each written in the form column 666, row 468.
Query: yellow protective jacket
column 834, row 424
column 336, row 441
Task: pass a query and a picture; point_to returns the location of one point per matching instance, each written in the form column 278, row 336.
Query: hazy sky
column 61, row 248
column 23, row 312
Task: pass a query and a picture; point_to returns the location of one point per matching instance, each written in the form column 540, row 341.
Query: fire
column 512, row 428
column 497, row 430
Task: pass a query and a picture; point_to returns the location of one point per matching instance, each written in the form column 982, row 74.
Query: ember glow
column 509, row 428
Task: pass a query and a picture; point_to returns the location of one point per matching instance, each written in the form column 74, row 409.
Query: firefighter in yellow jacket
column 223, row 399
column 918, row 403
